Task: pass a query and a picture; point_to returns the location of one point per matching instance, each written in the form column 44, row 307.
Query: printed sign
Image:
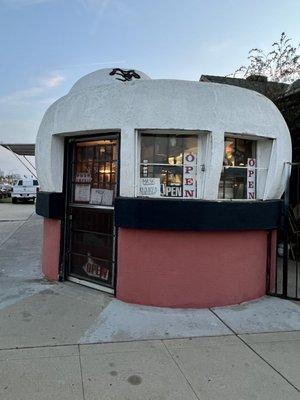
column 83, row 177
column 103, row 197
column 251, row 179
column 171, row 191
column 95, row 270
column 82, row 193
column 189, row 175
column 150, row 187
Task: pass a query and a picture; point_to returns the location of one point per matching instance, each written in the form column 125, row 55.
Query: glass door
column 90, row 233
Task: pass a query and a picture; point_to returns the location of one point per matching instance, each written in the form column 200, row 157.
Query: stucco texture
column 191, row 269
column 100, row 103
column 51, row 248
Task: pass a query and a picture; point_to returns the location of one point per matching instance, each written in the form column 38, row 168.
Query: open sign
column 251, row 178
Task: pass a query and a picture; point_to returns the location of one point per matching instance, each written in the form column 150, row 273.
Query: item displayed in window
column 95, row 270
column 95, row 166
column 172, row 161
column 83, row 177
column 234, row 176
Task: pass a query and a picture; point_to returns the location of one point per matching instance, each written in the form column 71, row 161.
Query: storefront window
column 168, row 166
column 95, row 172
column 238, row 177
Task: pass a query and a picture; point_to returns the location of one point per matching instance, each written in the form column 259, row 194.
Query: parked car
column 25, row 190
column 3, row 193
column 5, row 190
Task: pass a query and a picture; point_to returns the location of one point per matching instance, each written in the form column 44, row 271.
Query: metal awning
column 22, row 149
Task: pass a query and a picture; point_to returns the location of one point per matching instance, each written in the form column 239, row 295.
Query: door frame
column 65, row 231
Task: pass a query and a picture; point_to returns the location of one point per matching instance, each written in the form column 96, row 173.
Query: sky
column 46, row 45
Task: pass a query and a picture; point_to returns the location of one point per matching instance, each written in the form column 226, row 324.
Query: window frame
column 202, row 146
column 257, row 139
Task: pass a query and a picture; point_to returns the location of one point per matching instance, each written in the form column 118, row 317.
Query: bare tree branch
column 280, row 64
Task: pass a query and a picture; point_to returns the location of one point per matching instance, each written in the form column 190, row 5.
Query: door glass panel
column 91, row 233
column 95, row 172
column 92, row 220
column 89, row 243
column 92, row 269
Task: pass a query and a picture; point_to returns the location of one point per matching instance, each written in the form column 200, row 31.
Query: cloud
column 24, row 97
column 53, row 81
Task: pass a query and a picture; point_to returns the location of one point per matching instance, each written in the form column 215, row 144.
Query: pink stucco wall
column 191, row 269
column 51, row 248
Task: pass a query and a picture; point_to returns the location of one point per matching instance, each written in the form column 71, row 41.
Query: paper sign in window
column 102, row 197
column 150, row 187
column 82, row 193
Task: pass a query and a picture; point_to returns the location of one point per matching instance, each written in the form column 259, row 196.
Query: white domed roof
column 108, row 76
column 100, row 102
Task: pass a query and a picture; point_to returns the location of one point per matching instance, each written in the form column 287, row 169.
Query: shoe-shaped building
column 162, row 192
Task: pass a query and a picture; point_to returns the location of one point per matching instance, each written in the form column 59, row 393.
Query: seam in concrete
column 17, row 229
column 182, row 373
column 131, row 341
column 270, row 365
column 43, row 346
column 223, row 322
column 270, row 333
column 39, row 357
column 255, row 352
column 105, row 343
column 13, row 220
column 81, row 375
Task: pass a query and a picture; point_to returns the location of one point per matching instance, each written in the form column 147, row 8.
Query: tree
column 281, row 64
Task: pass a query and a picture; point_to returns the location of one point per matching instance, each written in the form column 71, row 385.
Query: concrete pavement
column 64, row 341
column 16, row 212
column 210, row 368
column 12, row 216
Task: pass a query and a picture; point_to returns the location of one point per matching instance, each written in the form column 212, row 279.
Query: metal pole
column 286, row 236
column 30, row 163
column 32, row 173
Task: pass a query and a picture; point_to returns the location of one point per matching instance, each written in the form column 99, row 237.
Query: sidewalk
column 64, row 341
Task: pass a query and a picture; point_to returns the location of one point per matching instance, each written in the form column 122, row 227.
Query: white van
column 25, row 190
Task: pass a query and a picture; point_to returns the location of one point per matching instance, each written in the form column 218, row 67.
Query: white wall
column 162, row 104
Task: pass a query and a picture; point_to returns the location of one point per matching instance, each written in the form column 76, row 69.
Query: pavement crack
column 81, row 375
column 13, row 233
column 181, row 371
column 268, row 363
column 255, row 352
column 223, row 322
